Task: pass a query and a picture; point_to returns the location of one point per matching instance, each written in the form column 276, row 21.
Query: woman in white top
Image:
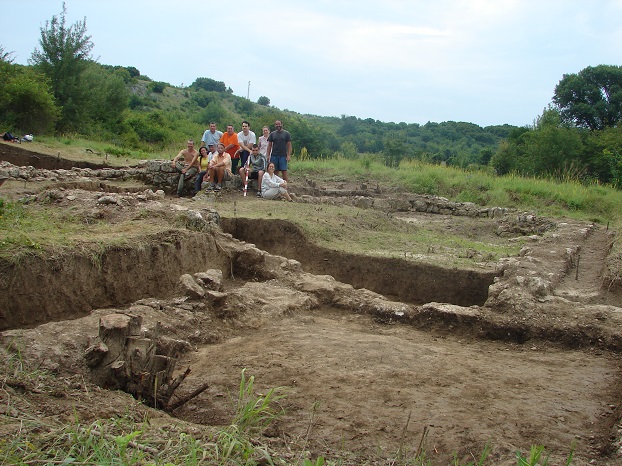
column 262, row 142
column 273, row 187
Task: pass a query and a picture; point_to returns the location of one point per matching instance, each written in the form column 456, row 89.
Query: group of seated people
column 213, row 165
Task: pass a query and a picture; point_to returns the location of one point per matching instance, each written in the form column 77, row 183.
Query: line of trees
column 578, row 136
column 65, row 91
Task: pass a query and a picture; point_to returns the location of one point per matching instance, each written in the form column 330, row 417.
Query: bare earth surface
column 537, row 363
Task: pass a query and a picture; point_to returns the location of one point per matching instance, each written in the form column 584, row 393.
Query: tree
column 26, row 102
column 243, row 106
column 591, row 98
column 393, row 151
column 108, row 98
column 63, row 58
column 157, row 87
column 134, row 73
column 5, row 56
column 263, row 100
column 348, row 126
column 208, row 84
column 549, row 149
column 348, row 149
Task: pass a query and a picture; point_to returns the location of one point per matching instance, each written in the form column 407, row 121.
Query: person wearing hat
column 203, row 159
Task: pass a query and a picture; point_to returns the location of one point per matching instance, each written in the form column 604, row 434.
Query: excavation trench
column 401, row 280
column 37, row 289
column 360, row 380
column 22, row 157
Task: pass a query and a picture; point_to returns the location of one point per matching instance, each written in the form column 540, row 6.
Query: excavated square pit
column 376, row 387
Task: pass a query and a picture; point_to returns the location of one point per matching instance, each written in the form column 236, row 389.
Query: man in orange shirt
column 230, row 140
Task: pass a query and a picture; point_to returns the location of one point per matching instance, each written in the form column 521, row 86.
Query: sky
column 488, row 62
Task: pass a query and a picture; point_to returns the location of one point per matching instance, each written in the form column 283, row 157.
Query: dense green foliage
column 556, row 150
column 263, row 100
column 591, row 98
column 65, row 92
column 26, row 100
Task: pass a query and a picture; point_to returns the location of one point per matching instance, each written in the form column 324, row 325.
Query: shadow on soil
column 397, row 279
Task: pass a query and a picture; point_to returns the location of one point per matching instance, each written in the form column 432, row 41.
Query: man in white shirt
column 246, row 139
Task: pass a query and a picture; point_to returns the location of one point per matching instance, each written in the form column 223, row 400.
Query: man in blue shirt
column 211, row 136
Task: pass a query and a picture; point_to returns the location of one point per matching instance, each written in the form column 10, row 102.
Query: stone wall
column 157, row 173
column 161, row 175
column 412, row 202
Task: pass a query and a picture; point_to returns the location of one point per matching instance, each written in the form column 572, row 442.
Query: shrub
column 157, row 87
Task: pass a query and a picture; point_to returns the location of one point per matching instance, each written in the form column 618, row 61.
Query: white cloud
column 485, row 61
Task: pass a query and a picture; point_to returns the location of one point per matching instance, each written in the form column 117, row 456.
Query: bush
column 117, row 151
column 136, row 102
column 212, row 112
column 26, row 101
column 157, row 87
column 243, row 106
column 202, row 98
column 208, row 84
column 149, row 129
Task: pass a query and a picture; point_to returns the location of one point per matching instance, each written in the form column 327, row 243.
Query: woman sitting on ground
column 273, row 187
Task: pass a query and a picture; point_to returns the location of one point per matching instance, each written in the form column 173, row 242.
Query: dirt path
column 584, row 282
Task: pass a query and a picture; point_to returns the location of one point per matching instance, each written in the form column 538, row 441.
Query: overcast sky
column 487, row 62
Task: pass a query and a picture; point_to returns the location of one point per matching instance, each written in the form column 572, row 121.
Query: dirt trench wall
column 19, row 155
column 398, row 279
column 36, row 290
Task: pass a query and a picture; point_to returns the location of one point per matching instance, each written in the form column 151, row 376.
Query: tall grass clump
column 18, row 230
column 571, row 198
column 536, row 457
column 123, row 440
column 253, row 415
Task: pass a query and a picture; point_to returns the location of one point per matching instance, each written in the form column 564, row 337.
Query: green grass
column 548, row 197
column 28, row 228
column 31, row 228
column 126, row 440
column 371, row 232
column 74, row 147
column 254, row 414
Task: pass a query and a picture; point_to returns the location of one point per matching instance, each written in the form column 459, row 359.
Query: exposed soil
column 520, row 352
